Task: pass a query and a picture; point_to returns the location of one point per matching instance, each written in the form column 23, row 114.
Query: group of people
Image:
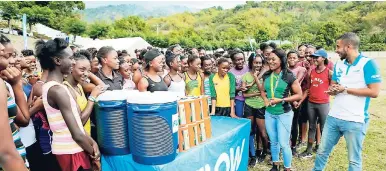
column 285, row 94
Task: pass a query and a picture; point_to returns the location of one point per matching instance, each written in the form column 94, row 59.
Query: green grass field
column 374, row 148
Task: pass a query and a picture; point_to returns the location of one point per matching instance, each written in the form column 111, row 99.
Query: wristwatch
column 345, row 90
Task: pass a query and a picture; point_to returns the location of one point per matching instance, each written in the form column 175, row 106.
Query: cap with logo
column 321, row 53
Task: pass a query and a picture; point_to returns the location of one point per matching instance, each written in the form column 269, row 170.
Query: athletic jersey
column 193, row 86
column 318, row 85
column 222, row 88
column 62, row 142
column 81, row 100
column 256, row 102
column 278, row 86
column 156, row 86
column 362, row 72
column 207, row 90
column 177, row 87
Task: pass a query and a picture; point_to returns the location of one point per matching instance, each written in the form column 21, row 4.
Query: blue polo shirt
column 362, row 72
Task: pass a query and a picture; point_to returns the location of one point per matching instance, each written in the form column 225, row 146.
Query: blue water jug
column 153, row 127
column 111, row 118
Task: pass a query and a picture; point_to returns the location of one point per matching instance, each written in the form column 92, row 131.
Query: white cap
column 219, row 50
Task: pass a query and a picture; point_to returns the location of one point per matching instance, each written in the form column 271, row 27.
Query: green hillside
column 113, row 12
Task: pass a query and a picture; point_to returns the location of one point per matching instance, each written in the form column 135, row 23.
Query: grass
column 374, row 147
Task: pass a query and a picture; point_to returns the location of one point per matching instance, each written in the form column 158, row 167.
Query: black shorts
column 250, row 111
column 223, row 111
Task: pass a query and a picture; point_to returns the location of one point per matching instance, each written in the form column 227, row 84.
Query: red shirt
column 319, row 84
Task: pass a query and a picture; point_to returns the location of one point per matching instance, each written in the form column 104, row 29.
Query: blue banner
column 25, row 31
column 227, row 150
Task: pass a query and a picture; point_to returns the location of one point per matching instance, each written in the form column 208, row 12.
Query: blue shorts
column 239, row 108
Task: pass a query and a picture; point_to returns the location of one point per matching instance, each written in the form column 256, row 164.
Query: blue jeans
column 279, row 132
column 239, row 108
column 354, row 134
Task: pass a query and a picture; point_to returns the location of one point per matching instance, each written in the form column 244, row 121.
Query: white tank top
column 177, row 87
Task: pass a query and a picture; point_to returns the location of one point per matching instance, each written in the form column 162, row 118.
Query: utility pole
column 157, row 29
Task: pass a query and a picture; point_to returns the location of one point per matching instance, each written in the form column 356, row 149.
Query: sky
column 190, row 4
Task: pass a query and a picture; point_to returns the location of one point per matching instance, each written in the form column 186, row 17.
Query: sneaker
column 258, row 152
column 275, row 168
column 252, row 162
column 294, row 152
column 261, row 158
column 316, row 148
column 305, row 155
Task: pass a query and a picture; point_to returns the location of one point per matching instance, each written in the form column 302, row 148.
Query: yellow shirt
column 81, row 100
column 193, row 87
column 222, row 90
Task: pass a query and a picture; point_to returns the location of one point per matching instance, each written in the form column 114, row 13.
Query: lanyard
column 273, row 88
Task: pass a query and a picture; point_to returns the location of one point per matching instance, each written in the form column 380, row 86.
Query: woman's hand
column 12, row 75
column 97, row 91
column 275, row 101
column 233, row 115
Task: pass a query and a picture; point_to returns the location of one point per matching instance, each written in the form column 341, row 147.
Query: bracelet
column 92, row 99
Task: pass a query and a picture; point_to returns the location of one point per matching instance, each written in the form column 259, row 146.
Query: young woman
column 72, row 147
column 174, row 79
column 151, row 81
column 266, row 50
column 318, row 101
column 278, row 82
column 94, row 60
column 108, row 58
column 10, row 159
column 184, row 63
column 17, row 103
column 207, row 65
column 137, row 76
column 300, row 73
column 238, row 71
column 222, row 90
column 193, row 77
column 74, row 82
column 254, row 105
column 134, row 65
column 125, row 71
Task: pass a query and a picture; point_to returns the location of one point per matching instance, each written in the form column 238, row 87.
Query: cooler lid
column 157, row 97
column 115, row 95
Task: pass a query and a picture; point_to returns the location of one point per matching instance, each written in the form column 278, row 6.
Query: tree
column 9, row 11
column 98, row 30
column 37, row 14
column 327, row 35
column 131, row 24
column 62, row 10
column 74, row 26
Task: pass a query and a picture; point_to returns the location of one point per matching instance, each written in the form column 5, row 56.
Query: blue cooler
column 153, row 127
column 111, row 118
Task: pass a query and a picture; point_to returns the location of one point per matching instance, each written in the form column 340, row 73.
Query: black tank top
column 156, row 86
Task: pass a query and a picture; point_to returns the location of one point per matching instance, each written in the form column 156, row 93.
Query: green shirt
column 282, row 90
column 256, row 101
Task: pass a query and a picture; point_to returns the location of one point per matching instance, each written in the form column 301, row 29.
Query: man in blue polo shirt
column 355, row 80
